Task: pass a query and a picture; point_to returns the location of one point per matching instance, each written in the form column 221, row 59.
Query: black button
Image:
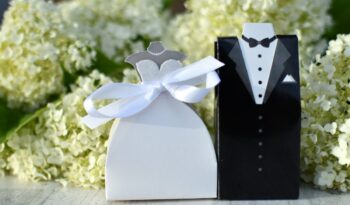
column 260, row 144
column 260, row 117
column 260, row 82
column 260, row 95
column 260, row 169
column 260, row 130
column 259, row 55
column 259, row 69
column 260, row 156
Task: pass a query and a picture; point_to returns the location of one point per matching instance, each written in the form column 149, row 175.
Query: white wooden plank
column 16, row 192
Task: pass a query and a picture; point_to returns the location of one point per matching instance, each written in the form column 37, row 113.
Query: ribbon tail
column 199, row 68
column 112, row 91
column 120, row 109
column 94, row 122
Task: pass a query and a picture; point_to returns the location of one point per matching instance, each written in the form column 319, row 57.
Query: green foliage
column 340, row 10
column 108, row 66
column 167, row 3
column 12, row 120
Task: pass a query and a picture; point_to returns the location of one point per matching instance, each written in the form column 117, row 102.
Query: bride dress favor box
column 258, row 115
column 160, row 148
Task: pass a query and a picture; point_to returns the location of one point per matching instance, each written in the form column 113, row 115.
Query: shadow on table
column 308, row 195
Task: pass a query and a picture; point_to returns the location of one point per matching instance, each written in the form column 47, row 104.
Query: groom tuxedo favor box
column 160, row 148
column 258, row 115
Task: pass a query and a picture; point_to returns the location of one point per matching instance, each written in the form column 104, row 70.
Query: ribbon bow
column 133, row 98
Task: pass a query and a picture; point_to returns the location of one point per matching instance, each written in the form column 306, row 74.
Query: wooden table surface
column 13, row 192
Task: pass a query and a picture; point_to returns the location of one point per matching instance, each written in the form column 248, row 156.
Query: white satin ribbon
column 133, row 98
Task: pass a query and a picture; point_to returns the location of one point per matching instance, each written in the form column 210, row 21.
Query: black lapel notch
column 237, row 57
column 281, row 56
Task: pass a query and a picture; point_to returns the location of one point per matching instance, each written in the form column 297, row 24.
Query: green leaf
column 12, row 120
column 108, row 66
column 167, row 4
column 339, row 11
column 69, row 78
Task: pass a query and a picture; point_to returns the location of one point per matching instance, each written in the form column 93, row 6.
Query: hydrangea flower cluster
column 57, row 146
column 36, row 46
column 194, row 32
column 325, row 143
column 39, row 41
column 120, row 27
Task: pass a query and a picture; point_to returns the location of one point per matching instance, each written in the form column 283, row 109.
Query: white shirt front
column 258, row 62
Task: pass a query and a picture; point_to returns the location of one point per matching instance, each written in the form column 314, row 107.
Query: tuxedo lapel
column 281, row 56
column 236, row 55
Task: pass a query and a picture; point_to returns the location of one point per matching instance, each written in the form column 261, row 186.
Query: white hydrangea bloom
column 120, row 27
column 331, row 127
column 342, row 150
column 57, row 146
column 40, row 40
column 345, row 127
column 131, row 76
column 36, row 46
column 325, row 142
column 325, row 177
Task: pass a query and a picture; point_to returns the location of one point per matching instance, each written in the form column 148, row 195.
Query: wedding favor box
column 159, row 148
column 258, row 115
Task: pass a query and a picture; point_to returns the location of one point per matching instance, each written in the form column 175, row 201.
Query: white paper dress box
column 163, row 150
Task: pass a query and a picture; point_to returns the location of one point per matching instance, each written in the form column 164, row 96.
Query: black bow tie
column 253, row 42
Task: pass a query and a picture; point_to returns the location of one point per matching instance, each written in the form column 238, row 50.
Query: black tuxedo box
column 258, row 146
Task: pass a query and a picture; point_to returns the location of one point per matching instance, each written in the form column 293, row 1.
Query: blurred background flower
column 36, row 48
column 195, row 31
column 119, row 27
